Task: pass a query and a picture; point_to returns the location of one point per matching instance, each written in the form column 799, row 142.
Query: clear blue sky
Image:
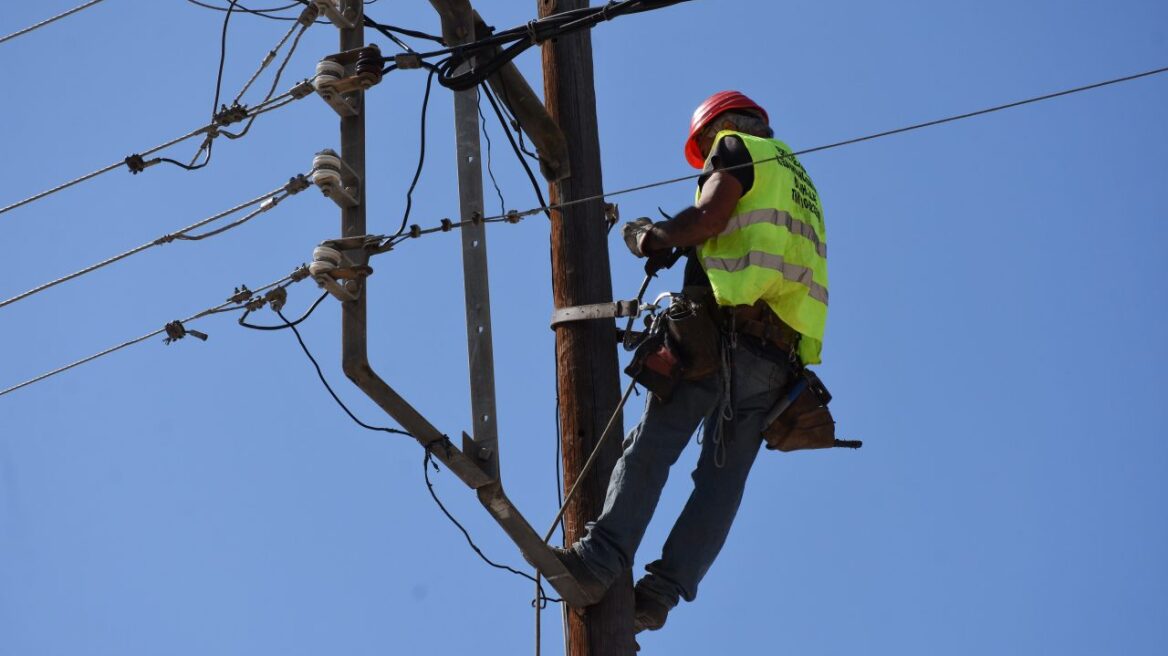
column 996, row 338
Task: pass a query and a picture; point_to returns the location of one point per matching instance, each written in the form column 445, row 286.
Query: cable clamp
column 297, row 184
column 242, row 293
column 302, row 89
column 276, row 298
column 611, row 214
column 447, row 225
column 309, row 15
column 299, row 274
column 614, row 310
column 175, row 330
column 228, row 115
column 407, row 60
column 513, row 217
column 136, row 164
column 336, row 179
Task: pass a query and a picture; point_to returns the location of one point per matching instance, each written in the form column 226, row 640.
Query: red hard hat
column 722, row 101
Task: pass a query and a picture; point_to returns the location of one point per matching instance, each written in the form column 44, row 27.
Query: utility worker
column 755, row 238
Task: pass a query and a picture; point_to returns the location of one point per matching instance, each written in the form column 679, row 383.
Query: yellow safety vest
column 774, row 247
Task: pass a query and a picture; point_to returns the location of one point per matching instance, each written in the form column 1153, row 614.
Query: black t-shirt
column 730, row 152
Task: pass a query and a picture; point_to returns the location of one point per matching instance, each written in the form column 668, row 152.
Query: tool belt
column 760, row 322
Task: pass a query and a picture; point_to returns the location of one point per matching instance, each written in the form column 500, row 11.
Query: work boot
column 590, row 584
column 649, row 613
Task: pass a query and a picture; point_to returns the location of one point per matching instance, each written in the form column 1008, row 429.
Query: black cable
column 490, row 170
column 222, row 59
column 516, row 40
column 241, row 8
column 324, row 381
column 518, row 154
column 427, row 461
column 243, row 319
column 421, row 155
column 514, row 123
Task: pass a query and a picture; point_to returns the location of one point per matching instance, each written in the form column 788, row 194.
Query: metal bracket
column 614, row 310
column 344, row 20
column 336, row 179
column 340, row 266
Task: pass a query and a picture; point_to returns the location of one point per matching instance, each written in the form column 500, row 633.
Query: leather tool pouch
column 806, row 423
column 696, row 335
column 655, row 366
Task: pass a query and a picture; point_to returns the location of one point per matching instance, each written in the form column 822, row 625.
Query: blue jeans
column 733, row 409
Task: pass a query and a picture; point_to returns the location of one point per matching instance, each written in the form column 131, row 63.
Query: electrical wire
column 421, row 155
column 267, row 201
column 229, row 306
column 490, row 168
column 428, row 460
column 103, row 170
column 269, row 103
column 324, row 381
column 389, row 31
column 518, row 151
column 137, row 163
column 518, row 39
column 243, row 319
column 47, row 21
column 515, row 216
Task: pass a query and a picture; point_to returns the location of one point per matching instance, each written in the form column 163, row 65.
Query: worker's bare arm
column 705, row 219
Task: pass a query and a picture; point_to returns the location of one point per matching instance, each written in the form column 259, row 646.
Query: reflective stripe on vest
column 774, row 247
column 792, row 272
column 777, row 218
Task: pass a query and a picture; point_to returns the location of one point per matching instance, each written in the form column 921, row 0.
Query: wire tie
column 175, row 330
column 415, row 231
column 512, row 217
column 165, row 239
column 447, row 225
column 242, row 293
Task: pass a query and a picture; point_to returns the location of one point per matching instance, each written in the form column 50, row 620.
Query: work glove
column 634, row 233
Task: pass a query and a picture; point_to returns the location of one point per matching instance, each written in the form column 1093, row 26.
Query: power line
column 137, row 163
column 515, row 216
column 45, row 22
column 267, row 201
column 175, row 329
column 104, row 169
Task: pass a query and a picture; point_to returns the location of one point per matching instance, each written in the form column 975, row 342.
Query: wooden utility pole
column 589, row 375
